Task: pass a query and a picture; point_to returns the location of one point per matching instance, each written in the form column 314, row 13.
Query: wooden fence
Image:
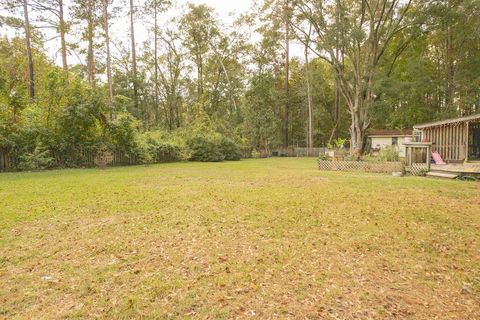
column 309, row 152
column 366, row 166
column 6, row 161
column 297, row 152
column 285, row 152
column 82, row 159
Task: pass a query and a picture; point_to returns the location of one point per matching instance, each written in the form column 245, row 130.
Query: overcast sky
column 226, row 10
column 223, row 7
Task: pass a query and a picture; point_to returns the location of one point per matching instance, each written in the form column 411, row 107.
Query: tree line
column 363, row 64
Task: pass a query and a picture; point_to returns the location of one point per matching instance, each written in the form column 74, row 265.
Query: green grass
column 269, row 238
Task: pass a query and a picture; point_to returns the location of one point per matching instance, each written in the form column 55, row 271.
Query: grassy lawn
column 269, row 238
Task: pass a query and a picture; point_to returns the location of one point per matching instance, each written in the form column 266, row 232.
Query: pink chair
column 437, row 158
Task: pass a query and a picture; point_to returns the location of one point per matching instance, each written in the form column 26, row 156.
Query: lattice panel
column 367, row 166
column 418, row 169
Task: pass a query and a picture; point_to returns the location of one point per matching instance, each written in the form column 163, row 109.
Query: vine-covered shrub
column 39, row 159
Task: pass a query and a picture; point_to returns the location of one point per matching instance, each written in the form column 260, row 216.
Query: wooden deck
column 461, row 168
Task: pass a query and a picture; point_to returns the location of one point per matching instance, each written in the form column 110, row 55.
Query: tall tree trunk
column 199, row 59
column 450, row 69
column 157, row 89
column 287, row 76
column 107, row 47
column 309, row 95
column 337, row 102
column 90, row 36
column 63, row 43
column 357, row 136
column 361, row 98
column 336, row 111
column 31, row 76
column 357, row 129
column 338, row 55
column 134, row 56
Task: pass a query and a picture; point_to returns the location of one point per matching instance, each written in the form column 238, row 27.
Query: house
column 379, row 139
column 456, row 140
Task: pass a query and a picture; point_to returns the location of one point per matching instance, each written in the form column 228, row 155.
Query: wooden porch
column 456, row 140
column 459, row 168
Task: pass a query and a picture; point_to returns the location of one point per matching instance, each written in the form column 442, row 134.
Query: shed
column 457, row 140
column 381, row 138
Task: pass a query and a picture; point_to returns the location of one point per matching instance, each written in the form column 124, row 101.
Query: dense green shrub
column 230, row 150
column 122, row 131
column 156, row 147
column 205, row 149
column 168, row 152
column 143, row 152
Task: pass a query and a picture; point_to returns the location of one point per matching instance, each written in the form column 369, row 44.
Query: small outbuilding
column 380, row 139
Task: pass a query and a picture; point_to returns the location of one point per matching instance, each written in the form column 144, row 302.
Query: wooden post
column 428, row 158
column 466, row 140
column 409, row 157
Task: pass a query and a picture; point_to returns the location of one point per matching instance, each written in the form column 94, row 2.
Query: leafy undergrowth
column 269, row 238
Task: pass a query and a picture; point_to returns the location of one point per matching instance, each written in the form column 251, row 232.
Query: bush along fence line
column 366, row 166
column 79, row 159
column 147, row 151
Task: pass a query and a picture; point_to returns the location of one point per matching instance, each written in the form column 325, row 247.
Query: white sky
column 223, row 7
column 226, row 11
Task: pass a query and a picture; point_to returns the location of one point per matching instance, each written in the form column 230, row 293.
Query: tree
column 261, row 125
column 86, row 11
column 309, row 94
column 364, row 32
column 199, row 27
column 157, row 6
column 134, row 55
column 55, row 8
column 286, row 14
column 155, row 58
column 170, row 72
column 107, row 48
column 28, row 46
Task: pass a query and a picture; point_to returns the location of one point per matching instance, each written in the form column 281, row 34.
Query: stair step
column 442, row 175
